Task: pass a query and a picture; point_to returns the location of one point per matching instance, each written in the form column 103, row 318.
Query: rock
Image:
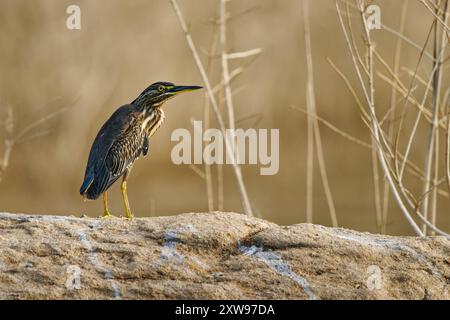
column 212, row 256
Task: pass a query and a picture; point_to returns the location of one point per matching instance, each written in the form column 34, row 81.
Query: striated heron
column 123, row 139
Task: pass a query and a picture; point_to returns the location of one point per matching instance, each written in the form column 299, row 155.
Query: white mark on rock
column 387, row 244
column 383, row 243
column 276, row 263
column 2, row 264
column 27, row 218
column 171, row 238
column 82, row 236
column 94, row 225
column 73, row 281
column 37, row 217
column 169, row 250
column 93, row 258
column 200, row 263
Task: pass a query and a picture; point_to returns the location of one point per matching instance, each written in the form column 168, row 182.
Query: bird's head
column 159, row 92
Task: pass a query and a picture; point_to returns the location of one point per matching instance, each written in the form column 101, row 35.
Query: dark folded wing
column 110, row 155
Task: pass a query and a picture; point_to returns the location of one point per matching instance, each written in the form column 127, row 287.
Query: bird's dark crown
column 158, row 92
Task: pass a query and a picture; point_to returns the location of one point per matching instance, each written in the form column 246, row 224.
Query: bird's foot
column 107, row 215
column 128, row 215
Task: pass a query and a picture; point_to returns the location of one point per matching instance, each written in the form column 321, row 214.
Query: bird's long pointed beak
column 179, row 89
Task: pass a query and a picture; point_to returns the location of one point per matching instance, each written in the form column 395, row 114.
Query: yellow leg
column 128, row 213
column 106, row 213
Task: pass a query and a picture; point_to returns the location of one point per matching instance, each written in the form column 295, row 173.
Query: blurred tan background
column 123, row 46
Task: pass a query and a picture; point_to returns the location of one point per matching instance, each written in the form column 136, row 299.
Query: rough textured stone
column 212, row 256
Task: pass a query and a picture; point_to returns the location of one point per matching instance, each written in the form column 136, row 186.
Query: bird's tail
column 88, row 180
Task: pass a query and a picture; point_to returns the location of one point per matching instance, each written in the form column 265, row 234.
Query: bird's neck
column 145, row 106
column 153, row 118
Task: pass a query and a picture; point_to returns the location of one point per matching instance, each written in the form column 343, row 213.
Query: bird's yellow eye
column 161, row 89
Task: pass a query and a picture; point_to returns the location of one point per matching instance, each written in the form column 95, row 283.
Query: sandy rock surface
column 212, row 256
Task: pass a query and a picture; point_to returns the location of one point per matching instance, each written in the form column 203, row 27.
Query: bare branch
column 311, row 105
column 229, row 150
column 244, row 54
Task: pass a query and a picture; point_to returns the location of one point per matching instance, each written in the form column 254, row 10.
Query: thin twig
column 447, row 146
column 206, row 120
column 416, row 123
column 309, row 137
column 431, row 150
column 407, row 40
column 236, row 169
column 334, row 128
column 443, row 23
column 393, row 105
column 12, row 139
column 197, row 170
column 9, row 141
column 311, row 105
column 374, row 124
column 244, row 54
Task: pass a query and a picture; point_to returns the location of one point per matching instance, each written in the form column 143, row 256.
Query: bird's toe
column 107, row 215
column 128, row 215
